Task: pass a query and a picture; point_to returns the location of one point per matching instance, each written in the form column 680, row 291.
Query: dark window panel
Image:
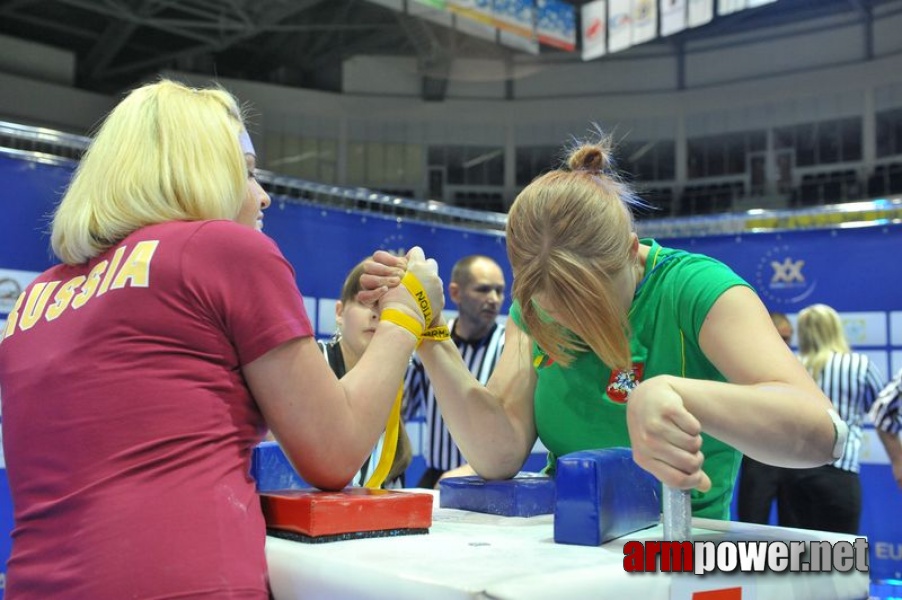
column 696, row 159
column 494, row 169
column 666, row 160
column 524, row 167
column 784, row 137
column 454, row 159
column 546, row 158
column 736, row 152
column 435, row 156
column 647, row 167
column 806, row 145
column 884, row 135
column 851, row 139
column 717, row 157
column 757, row 141
column 828, row 142
column 896, row 127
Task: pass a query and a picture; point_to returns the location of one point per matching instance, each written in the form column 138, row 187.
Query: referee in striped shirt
column 828, row 498
column 477, row 288
column 886, row 414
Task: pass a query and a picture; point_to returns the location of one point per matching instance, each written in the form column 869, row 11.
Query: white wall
column 818, row 44
column 33, row 102
column 37, row 61
column 380, row 75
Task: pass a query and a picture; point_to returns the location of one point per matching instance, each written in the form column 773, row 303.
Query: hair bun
column 594, row 158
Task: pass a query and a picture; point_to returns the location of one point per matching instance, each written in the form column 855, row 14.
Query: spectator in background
column 477, row 288
column 828, row 498
column 759, row 484
column 783, row 325
column 355, row 326
column 139, row 374
column 613, row 341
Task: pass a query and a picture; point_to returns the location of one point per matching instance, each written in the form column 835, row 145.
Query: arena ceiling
column 303, row 43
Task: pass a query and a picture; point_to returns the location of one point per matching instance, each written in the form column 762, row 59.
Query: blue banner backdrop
column 30, row 191
column 850, row 269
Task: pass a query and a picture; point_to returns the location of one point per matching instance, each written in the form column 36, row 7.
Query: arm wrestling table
column 475, row 555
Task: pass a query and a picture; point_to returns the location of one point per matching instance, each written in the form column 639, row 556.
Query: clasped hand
column 382, row 274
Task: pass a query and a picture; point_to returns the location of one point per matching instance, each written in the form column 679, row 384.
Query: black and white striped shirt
column 480, row 357
column 886, row 413
column 852, row 383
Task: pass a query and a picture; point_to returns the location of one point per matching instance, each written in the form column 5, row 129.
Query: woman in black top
column 355, row 326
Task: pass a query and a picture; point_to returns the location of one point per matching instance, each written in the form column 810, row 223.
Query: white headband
column 247, row 147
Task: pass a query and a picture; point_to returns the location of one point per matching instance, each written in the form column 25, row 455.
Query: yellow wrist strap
column 389, row 444
column 436, row 334
column 401, row 319
column 413, row 285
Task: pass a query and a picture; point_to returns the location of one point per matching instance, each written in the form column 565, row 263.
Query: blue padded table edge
column 272, row 471
column 603, row 495
column 525, row 495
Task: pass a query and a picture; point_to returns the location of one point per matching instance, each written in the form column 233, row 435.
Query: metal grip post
column 677, row 514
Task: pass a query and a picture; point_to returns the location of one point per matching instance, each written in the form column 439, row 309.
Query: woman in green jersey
column 617, row 341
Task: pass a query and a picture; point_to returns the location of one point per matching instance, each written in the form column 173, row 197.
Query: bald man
column 477, row 288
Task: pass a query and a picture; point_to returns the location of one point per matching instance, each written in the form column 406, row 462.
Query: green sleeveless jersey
column 583, row 406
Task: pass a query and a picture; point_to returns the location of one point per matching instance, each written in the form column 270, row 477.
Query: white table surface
column 474, row 555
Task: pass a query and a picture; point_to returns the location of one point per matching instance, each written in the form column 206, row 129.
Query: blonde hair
column 820, row 333
column 569, row 235
column 167, row 152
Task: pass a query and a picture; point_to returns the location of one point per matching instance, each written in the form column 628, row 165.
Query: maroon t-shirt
column 127, row 424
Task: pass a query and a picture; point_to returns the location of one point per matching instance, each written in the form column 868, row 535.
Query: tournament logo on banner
column 781, row 276
column 620, row 25
column 515, row 16
column 516, row 22
column 595, row 31
column 645, row 21
column 556, row 24
column 673, row 16
column 477, row 10
column 474, row 17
